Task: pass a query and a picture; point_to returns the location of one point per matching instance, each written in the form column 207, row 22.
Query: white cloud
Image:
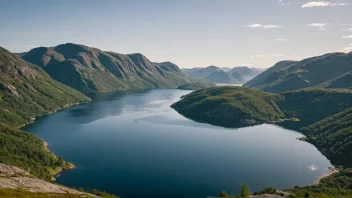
column 257, row 25
column 347, row 49
column 258, row 56
column 280, row 39
column 284, row 2
column 320, row 26
column 321, row 4
column 347, row 37
column 277, row 55
column 349, row 29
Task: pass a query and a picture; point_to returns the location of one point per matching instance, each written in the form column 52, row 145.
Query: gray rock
column 14, row 177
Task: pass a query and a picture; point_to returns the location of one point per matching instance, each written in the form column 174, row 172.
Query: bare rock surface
column 14, row 177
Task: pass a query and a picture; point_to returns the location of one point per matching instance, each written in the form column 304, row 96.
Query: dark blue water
column 135, row 145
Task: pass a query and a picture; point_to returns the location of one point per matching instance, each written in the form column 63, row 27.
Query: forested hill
column 325, row 113
column 332, row 70
column 89, row 69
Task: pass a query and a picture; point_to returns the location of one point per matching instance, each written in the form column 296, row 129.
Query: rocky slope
column 13, row 177
column 26, row 91
column 327, row 71
column 89, row 69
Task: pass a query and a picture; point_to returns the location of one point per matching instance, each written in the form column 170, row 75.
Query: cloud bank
column 257, row 25
column 321, row 4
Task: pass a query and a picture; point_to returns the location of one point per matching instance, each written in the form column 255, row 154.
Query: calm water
column 135, row 145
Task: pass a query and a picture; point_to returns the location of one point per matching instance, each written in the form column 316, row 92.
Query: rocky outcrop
column 14, row 177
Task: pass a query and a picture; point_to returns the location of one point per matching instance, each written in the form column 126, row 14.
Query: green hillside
column 326, row 113
column 326, row 71
column 230, row 106
column 26, row 91
column 333, row 136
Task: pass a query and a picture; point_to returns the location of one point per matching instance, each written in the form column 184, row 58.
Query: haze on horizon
column 195, row 33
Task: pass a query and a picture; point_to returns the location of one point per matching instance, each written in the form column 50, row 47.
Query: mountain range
column 224, row 75
column 332, row 70
column 88, row 69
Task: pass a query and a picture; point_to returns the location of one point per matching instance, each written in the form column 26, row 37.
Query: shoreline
column 332, row 171
column 55, row 172
column 33, row 119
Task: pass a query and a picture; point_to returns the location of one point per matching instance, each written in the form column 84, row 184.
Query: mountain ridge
column 89, row 69
column 320, row 71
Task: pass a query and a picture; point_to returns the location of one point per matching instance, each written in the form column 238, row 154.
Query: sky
column 189, row 33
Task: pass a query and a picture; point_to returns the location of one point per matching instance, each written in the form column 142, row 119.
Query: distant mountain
column 89, row 69
column 247, row 72
column 200, row 72
column 238, row 76
column 327, row 71
column 223, row 75
column 26, row 91
column 226, row 69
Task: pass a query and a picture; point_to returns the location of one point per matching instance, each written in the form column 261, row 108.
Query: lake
column 133, row 144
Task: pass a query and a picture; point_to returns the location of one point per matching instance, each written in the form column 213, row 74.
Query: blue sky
column 190, row 33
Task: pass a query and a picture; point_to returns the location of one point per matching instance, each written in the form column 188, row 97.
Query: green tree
column 245, row 190
column 223, row 194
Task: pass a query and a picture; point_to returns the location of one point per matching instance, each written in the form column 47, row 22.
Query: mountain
column 327, row 71
column 225, row 75
column 226, row 69
column 247, row 72
column 26, row 91
column 238, row 76
column 268, row 74
column 90, row 69
column 214, row 74
column 324, row 114
column 200, row 72
column 221, row 76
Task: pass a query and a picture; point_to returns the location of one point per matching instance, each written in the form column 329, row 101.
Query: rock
column 28, row 86
column 12, row 170
column 14, row 177
column 9, row 88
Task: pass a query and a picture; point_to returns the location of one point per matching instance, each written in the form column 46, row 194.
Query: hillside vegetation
column 26, row 91
column 27, row 151
column 335, row 185
column 326, row 71
column 89, row 69
column 230, row 106
column 326, row 113
column 333, row 136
